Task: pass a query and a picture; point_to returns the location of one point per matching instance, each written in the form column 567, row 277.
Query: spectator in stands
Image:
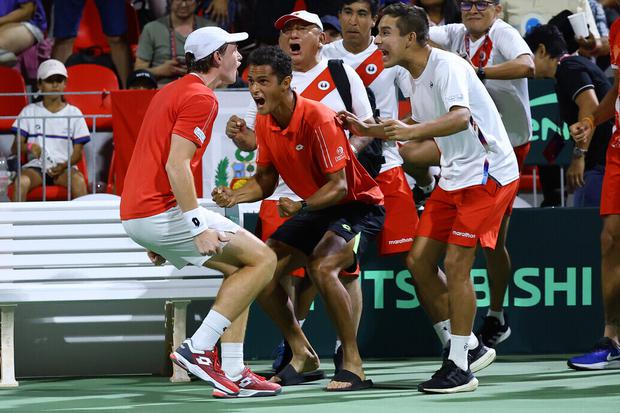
column 22, row 24
column 160, row 49
column 592, row 46
column 331, row 28
column 141, row 79
column 441, row 12
column 67, row 15
column 220, row 11
column 46, row 137
column 580, row 86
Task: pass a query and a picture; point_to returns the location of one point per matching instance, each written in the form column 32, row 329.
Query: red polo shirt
column 185, row 107
column 312, row 146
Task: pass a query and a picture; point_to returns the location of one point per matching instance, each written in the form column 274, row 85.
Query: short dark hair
column 373, row 4
column 272, row 56
column 410, row 19
column 203, row 65
column 549, row 36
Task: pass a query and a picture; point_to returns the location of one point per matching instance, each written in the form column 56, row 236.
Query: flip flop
column 289, row 376
column 346, row 376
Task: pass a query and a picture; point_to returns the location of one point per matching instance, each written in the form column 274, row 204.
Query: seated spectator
column 49, row 161
column 441, row 12
column 331, row 28
column 580, row 86
column 141, row 80
column 67, row 15
column 161, row 45
column 22, row 24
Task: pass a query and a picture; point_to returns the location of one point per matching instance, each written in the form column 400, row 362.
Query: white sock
column 338, row 344
column 473, row 341
column 301, row 322
column 497, row 314
column 458, row 351
column 210, row 331
column 442, row 329
column 232, row 360
column 428, row 188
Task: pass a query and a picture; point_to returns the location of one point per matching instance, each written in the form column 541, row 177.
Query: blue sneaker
column 283, row 356
column 604, row 355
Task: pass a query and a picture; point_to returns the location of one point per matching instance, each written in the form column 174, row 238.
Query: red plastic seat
column 90, row 33
column 92, row 78
column 11, row 81
column 526, row 183
column 53, row 192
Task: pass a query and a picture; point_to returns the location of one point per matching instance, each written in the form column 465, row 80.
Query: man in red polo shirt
column 159, row 209
column 303, row 142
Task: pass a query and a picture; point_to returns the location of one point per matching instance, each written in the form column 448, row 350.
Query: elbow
column 529, row 70
column 341, row 191
column 462, row 121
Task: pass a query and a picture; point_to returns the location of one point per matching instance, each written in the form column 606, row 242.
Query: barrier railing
column 92, row 165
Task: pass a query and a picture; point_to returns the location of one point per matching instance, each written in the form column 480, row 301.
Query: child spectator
column 51, row 156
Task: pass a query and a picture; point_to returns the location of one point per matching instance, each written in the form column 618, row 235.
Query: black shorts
column 48, row 179
column 305, row 230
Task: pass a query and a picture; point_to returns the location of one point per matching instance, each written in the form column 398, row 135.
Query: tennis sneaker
column 449, row 379
column 204, row 365
column 604, row 355
column 492, row 332
column 478, row 358
column 251, row 385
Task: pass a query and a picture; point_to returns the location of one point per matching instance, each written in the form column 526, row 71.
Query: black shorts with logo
column 306, row 229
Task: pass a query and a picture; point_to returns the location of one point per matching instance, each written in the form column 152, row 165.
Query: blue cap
column 329, row 20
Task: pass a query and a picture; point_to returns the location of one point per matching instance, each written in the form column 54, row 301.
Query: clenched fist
column 287, row 207
column 224, row 197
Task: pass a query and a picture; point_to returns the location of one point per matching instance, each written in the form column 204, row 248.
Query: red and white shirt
column 185, row 107
column 481, row 151
column 316, row 84
column 502, row 43
column 383, row 81
column 313, row 145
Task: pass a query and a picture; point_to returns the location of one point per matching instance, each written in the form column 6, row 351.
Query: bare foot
column 302, row 364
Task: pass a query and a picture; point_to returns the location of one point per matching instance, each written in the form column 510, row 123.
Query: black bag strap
column 341, row 80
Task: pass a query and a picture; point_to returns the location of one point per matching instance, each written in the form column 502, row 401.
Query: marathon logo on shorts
column 463, row 234
column 400, row 241
column 199, row 134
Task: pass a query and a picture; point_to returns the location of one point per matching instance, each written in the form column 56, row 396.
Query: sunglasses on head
column 480, row 5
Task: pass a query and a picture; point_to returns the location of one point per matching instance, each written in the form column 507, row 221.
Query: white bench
column 78, row 251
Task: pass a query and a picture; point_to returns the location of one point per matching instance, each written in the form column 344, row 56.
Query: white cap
column 299, row 15
column 206, row 40
column 51, row 67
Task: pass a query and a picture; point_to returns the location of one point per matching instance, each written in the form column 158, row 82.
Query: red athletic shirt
column 614, row 44
column 313, row 145
column 185, row 107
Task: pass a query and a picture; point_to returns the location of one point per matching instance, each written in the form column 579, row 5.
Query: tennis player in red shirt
column 160, row 211
column 303, row 142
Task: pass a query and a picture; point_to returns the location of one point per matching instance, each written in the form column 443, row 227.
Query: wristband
column 304, row 206
column 196, row 221
column 590, row 120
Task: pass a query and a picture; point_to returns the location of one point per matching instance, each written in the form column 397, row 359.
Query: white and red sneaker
column 204, row 365
column 251, row 385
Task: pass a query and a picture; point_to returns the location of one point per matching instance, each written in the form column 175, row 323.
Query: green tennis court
column 511, row 384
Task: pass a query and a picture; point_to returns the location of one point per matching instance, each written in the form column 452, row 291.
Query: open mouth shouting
column 260, row 102
column 294, row 48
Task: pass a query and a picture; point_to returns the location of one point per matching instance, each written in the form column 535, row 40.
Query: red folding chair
column 92, row 78
column 11, row 81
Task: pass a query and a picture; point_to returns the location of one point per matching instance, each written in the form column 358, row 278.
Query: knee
column 609, row 241
column 268, row 260
column 418, row 266
column 78, row 184
column 321, row 271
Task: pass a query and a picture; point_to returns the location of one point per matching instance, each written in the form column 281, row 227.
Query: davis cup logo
column 371, row 69
column 324, row 85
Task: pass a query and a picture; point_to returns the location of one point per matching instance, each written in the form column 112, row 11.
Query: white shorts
column 167, row 235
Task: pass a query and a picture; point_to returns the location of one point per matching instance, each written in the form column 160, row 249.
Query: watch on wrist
column 304, row 206
column 480, row 73
column 578, row 152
